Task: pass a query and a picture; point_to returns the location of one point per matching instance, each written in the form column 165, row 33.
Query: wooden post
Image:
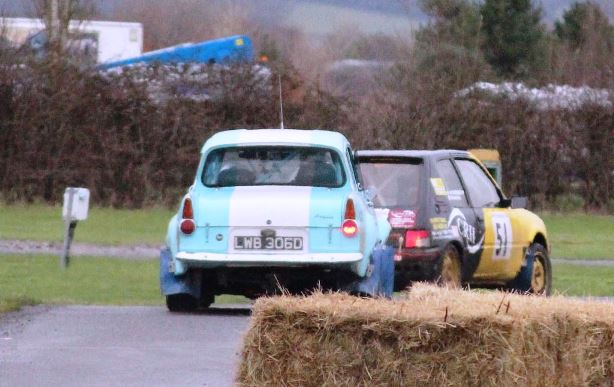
column 69, row 230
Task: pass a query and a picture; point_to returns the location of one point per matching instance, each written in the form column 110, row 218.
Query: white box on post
column 76, row 203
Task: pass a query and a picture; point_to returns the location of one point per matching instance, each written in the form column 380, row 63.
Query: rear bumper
column 285, row 260
column 415, row 265
column 417, row 256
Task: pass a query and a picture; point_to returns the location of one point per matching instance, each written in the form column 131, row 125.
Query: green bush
column 132, row 138
column 569, row 202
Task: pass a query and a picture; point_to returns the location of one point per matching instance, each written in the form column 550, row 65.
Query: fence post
column 69, row 229
column 76, row 203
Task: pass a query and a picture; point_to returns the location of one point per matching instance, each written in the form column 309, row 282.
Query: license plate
column 268, row 243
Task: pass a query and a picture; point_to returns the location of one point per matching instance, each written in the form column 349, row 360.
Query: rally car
column 272, row 209
column 452, row 223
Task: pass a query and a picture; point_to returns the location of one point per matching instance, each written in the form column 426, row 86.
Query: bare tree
column 57, row 15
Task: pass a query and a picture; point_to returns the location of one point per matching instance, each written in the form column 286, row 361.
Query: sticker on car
column 402, row 218
column 439, row 223
column 461, row 228
column 440, row 229
column 503, row 237
column 438, row 186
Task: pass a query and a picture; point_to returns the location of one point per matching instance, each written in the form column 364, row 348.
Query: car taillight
column 187, row 225
column 350, row 212
column 417, row 238
column 188, row 211
column 349, row 227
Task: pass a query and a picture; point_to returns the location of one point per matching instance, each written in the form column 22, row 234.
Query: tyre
column 449, row 272
column 206, row 300
column 181, row 303
column 536, row 276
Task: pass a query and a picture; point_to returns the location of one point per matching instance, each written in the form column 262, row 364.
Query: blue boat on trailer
column 227, row 50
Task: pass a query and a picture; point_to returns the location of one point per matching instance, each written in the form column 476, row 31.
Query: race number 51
column 502, row 228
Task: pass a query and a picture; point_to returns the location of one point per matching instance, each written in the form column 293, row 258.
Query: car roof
column 413, row 153
column 239, row 137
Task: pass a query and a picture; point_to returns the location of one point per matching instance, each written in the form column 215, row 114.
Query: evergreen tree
column 581, row 21
column 448, row 48
column 455, row 22
column 513, row 36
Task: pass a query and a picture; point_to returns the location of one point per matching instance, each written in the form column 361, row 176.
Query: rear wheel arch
column 541, row 239
column 459, row 247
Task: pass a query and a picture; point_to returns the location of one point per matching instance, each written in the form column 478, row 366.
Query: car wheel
column 541, row 277
column 181, row 303
column 536, row 276
column 450, row 268
column 206, row 299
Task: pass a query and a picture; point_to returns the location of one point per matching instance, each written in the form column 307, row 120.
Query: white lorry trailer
column 102, row 41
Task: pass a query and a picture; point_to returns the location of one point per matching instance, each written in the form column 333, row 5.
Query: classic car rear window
column 396, row 181
column 273, row 165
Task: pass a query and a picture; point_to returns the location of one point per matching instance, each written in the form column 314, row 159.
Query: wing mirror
column 520, row 202
column 514, row 202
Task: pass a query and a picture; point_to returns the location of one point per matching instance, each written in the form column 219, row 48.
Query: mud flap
column 379, row 280
column 189, row 283
column 522, row 282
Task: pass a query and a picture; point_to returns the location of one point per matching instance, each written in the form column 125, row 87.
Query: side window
column 354, row 167
column 481, row 189
column 456, row 193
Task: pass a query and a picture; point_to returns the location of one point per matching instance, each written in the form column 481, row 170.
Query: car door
column 501, row 252
column 461, row 218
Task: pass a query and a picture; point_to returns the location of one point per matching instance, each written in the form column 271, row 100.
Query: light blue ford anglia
column 274, row 209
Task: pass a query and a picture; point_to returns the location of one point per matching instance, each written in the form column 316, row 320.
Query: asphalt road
column 120, row 346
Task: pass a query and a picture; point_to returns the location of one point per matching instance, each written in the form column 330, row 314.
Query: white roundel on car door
column 503, row 237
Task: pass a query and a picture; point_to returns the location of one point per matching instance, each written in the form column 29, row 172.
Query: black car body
column 451, row 222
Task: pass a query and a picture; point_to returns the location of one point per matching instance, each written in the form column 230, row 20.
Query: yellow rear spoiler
column 491, row 160
column 486, row 154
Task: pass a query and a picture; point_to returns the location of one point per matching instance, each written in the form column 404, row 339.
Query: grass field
column 577, row 236
column 101, row 281
column 581, row 236
column 575, row 280
column 38, row 279
column 105, row 226
column 106, row 281
column 12, row 304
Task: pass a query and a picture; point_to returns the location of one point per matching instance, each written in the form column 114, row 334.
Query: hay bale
column 434, row 336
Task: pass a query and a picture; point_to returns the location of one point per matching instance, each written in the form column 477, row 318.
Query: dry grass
column 433, row 337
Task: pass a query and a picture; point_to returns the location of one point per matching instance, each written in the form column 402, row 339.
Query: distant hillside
column 552, row 8
column 320, row 17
